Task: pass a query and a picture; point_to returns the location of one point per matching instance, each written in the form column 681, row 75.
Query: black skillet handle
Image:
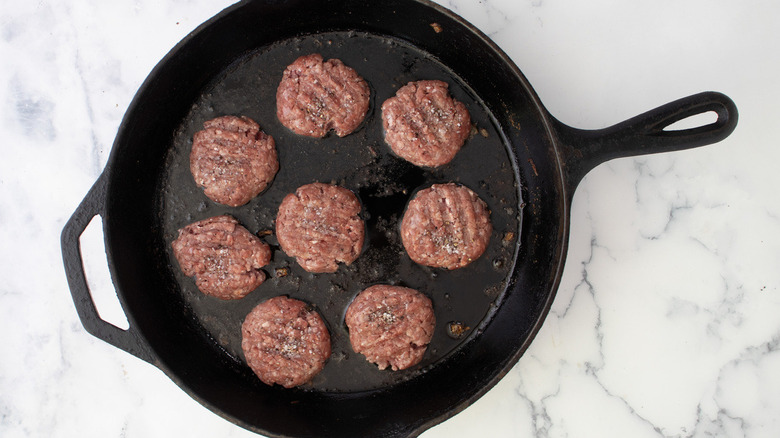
column 128, row 340
column 645, row 134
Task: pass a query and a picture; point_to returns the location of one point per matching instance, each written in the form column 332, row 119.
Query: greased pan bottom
column 384, row 183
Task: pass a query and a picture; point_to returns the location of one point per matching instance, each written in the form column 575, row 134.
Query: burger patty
column 233, row 159
column 424, row 125
column 317, row 96
column 446, row 226
column 223, row 256
column 320, row 227
column 285, row 341
column 391, row 325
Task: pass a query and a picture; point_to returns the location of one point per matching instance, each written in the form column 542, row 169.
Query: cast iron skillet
column 522, row 161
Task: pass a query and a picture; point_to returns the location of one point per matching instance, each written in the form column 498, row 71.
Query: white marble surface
column 667, row 321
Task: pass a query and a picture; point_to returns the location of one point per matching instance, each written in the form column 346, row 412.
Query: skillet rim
column 116, row 156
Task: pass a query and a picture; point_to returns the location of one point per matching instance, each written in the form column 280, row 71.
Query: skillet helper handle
column 128, row 340
column 646, row 134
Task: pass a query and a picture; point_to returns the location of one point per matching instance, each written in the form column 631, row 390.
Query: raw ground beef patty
column 223, row 256
column 233, row 159
column 316, row 96
column 424, row 125
column 391, row 325
column 285, row 341
column 320, row 227
column 446, row 226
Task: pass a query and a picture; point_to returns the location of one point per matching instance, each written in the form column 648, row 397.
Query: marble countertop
column 666, row 321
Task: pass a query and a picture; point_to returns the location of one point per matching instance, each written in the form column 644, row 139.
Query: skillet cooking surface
column 384, row 183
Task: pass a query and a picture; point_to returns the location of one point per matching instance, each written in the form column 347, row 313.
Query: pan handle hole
column 101, row 288
column 694, row 121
